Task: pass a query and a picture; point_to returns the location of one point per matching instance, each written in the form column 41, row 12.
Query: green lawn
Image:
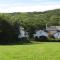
column 38, row 51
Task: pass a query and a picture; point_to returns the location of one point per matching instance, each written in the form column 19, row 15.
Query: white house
column 54, row 31
column 57, row 35
column 22, row 33
column 40, row 33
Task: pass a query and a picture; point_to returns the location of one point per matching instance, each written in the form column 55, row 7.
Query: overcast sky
column 28, row 5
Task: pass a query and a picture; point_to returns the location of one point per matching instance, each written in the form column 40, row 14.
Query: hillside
column 33, row 19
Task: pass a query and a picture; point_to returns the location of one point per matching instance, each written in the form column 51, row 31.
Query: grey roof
column 53, row 28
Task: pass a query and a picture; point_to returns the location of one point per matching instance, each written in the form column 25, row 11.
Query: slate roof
column 53, row 28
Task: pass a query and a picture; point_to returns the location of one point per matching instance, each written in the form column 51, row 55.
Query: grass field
column 36, row 51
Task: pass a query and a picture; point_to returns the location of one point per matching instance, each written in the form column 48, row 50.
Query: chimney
column 46, row 26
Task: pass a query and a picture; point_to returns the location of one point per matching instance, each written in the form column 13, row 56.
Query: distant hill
column 36, row 20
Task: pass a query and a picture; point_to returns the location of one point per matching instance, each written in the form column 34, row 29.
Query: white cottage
column 57, row 35
column 22, row 33
column 40, row 33
column 54, row 31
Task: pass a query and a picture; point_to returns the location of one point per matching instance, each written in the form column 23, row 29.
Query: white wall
column 40, row 33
